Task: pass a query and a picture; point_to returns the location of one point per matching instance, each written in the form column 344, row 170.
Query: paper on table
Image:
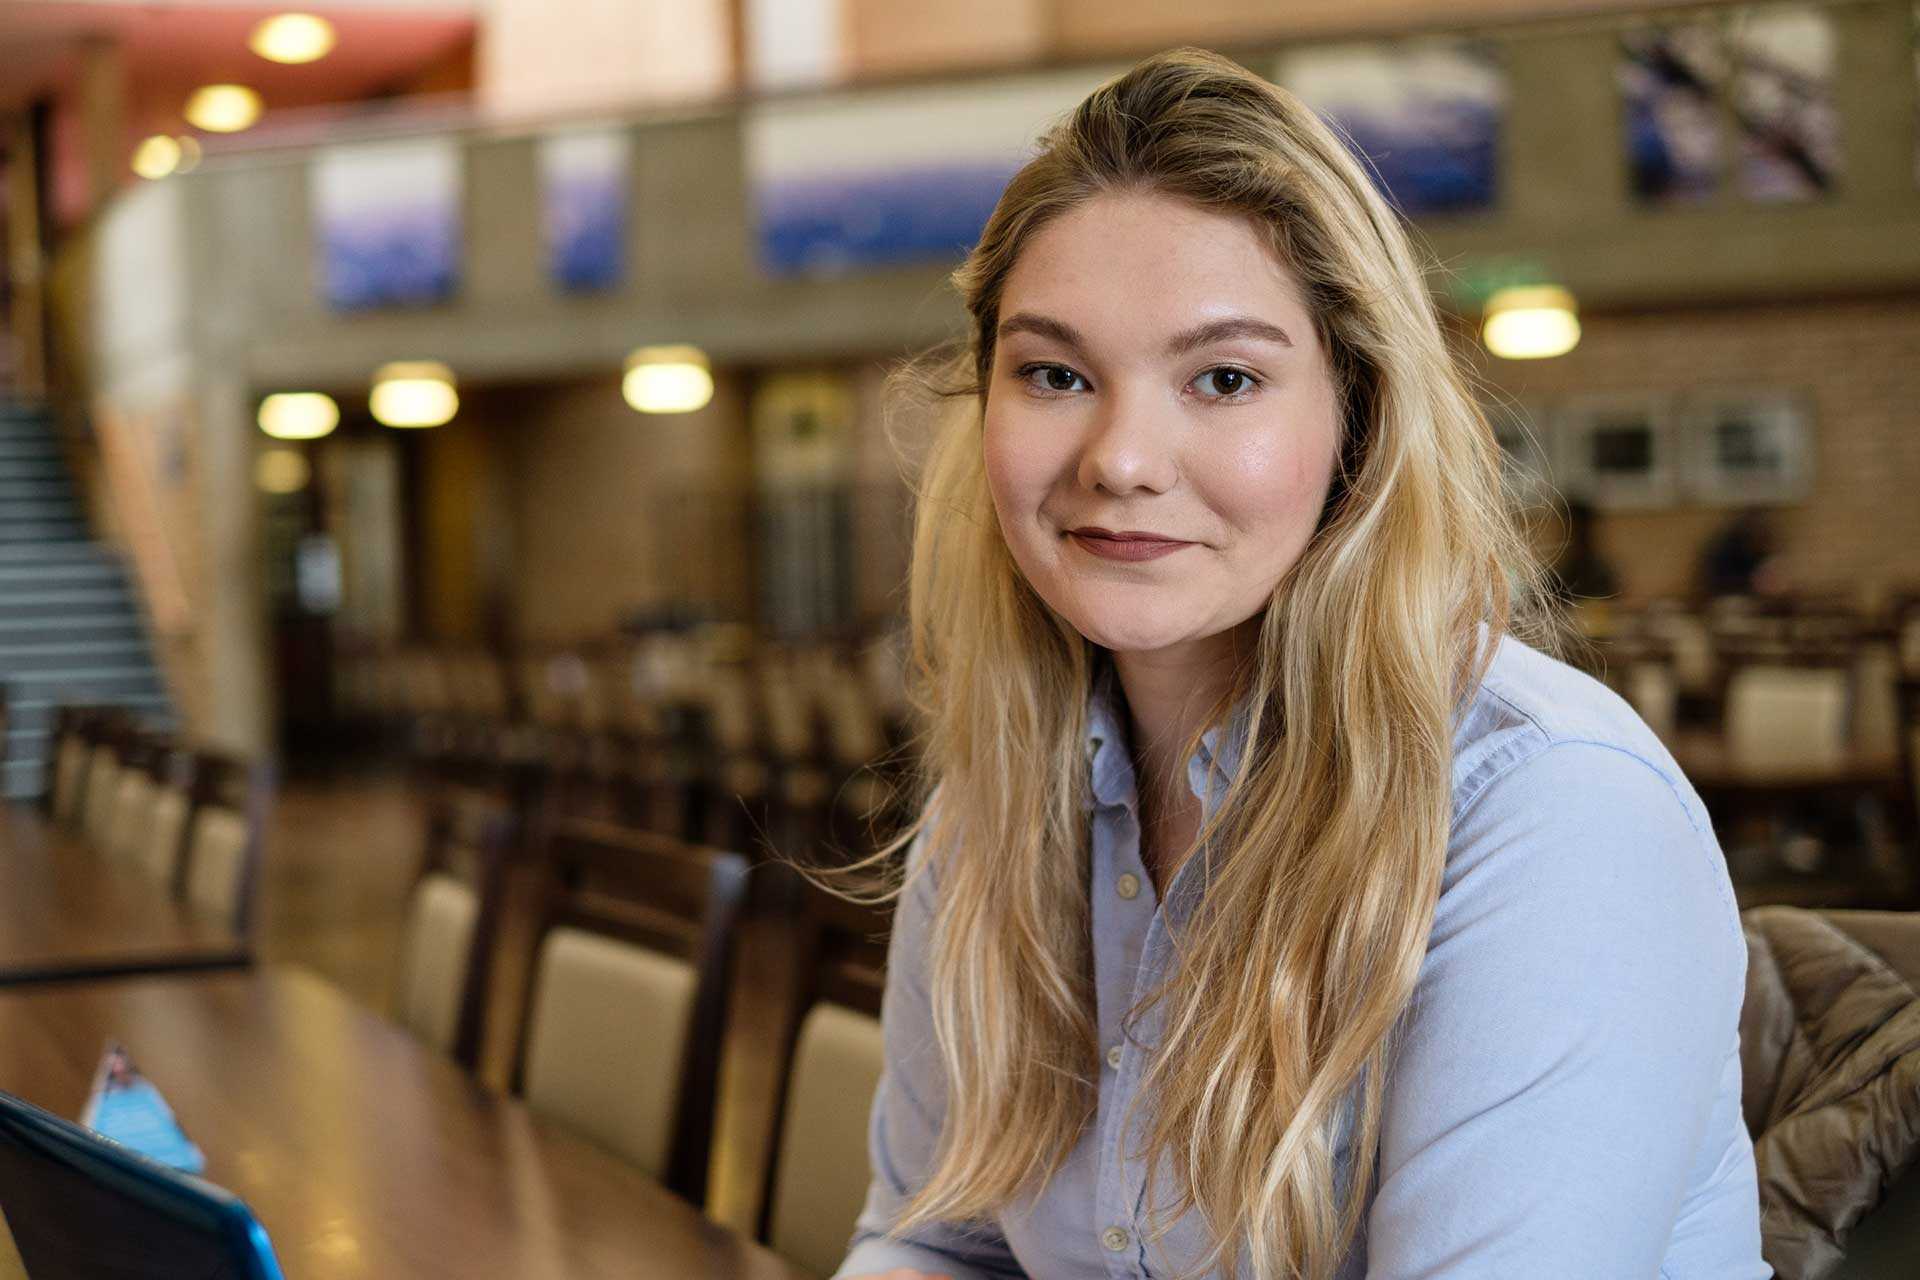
column 125, row 1106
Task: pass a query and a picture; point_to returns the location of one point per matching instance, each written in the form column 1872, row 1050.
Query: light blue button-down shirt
column 1567, row 1099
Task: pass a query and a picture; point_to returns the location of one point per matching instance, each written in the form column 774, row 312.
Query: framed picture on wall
column 1617, row 451
column 1745, row 447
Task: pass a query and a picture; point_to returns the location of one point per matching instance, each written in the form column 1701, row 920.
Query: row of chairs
column 1686, row 664
column 711, row 739
column 632, row 959
column 629, row 978
column 190, row 819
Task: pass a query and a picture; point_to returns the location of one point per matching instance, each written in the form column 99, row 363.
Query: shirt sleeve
column 908, row 1108
column 1568, row 1033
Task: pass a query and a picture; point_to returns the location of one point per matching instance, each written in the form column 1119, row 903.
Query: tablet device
column 82, row 1207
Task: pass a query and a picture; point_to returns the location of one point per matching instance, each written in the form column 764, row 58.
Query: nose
column 1128, row 449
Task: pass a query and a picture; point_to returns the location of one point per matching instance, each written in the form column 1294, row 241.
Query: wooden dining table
column 66, row 912
column 363, row 1153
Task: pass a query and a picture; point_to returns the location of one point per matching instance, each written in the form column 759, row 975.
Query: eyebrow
column 1224, row 329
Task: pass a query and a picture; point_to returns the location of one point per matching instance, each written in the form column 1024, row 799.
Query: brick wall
column 1858, row 365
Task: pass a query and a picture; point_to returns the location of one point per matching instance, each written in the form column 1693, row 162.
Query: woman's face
column 1161, row 424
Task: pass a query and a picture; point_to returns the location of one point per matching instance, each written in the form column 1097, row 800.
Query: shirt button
column 1128, row 885
column 1114, row 1238
column 1113, row 1057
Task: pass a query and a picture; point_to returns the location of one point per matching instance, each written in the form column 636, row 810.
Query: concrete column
column 1873, row 93
column 103, row 117
column 26, row 257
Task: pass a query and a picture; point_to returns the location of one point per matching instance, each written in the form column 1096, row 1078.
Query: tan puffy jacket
column 1830, row 1056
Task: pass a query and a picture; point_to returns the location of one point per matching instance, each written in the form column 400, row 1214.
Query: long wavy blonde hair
column 1325, row 855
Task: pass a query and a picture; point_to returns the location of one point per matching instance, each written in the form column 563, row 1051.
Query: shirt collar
column 1209, row 771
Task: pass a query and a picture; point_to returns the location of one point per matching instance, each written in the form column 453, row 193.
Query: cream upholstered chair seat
column 69, row 779
column 628, row 999
column 217, row 862
column 607, row 1039
column 133, row 799
column 103, row 773
column 438, row 940
column 822, row 1171
column 1787, row 717
column 158, row 854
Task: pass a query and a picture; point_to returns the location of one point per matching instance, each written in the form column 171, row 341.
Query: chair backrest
column 73, row 732
column 446, row 945
column 1875, row 710
column 817, row 1176
column 1655, row 694
column 626, row 1008
column 69, row 774
column 1787, row 717
column 159, row 849
column 226, row 826
column 1907, row 734
column 103, row 776
column 134, row 793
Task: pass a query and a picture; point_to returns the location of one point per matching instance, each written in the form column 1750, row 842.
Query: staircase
column 70, row 630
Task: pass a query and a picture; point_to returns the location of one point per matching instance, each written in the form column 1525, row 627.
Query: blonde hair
column 1326, row 852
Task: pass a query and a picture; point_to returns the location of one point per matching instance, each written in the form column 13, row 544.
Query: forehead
column 1145, row 265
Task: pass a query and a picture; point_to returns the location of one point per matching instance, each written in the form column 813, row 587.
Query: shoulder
column 1528, row 704
column 1569, row 812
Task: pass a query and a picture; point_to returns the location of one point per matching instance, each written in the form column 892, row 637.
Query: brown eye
column 1053, row 377
column 1216, row 384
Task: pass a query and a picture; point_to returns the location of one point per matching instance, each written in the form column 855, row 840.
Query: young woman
column 1278, row 912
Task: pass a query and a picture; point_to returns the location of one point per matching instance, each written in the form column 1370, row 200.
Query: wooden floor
column 341, row 855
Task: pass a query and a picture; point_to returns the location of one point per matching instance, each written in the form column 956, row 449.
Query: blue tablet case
column 80, row 1206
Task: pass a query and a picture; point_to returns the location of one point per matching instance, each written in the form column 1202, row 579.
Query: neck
column 1171, row 694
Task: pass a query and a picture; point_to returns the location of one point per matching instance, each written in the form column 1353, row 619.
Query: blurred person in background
column 1278, row 911
column 1741, row 560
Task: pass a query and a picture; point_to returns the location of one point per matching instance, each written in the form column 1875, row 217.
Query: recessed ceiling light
column 413, row 393
column 672, row 379
column 298, row 415
column 293, row 38
column 156, row 157
column 1530, row 323
column 223, row 108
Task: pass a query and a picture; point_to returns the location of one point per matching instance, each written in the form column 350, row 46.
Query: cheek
column 1274, row 488
column 1018, row 470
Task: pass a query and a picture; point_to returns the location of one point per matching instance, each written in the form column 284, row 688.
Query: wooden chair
column 626, row 1004
column 447, row 942
column 1787, row 716
column 144, row 765
column 817, row 1173
column 219, row 865
column 110, row 734
column 70, row 746
column 1907, row 699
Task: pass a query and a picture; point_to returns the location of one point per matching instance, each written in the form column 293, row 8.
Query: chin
column 1125, row 630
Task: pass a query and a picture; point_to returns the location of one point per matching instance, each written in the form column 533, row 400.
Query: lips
column 1124, row 544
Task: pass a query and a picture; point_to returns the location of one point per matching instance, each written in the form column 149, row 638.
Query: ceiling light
column 293, row 37
column 281, row 471
column 156, row 157
column 674, row 379
column 1530, row 322
column 223, row 108
column 298, row 415
column 414, row 393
